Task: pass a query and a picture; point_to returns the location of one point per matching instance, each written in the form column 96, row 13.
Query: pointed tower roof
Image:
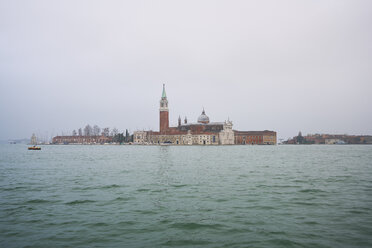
column 164, row 95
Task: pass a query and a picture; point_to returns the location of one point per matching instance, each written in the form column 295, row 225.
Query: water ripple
column 194, row 226
column 79, row 202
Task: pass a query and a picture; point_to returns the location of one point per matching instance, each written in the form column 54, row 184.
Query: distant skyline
column 286, row 66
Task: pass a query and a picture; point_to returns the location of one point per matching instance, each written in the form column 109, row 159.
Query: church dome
column 203, row 118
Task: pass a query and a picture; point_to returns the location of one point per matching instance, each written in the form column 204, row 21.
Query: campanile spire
column 164, row 112
column 164, row 94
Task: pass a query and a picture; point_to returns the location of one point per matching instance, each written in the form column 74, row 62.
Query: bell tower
column 164, row 112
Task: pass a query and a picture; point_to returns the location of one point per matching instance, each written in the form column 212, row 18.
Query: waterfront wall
column 82, row 140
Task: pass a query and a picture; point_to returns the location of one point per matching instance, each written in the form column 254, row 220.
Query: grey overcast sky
column 285, row 65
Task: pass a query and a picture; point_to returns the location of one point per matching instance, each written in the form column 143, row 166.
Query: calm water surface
column 147, row 196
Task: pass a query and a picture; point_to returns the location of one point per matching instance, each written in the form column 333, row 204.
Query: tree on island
column 119, row 138
column 106, row 132
column 96, row 130
column 127, row 135
column 74, row 133
column 80, row 132
column 88, row 130
column 300, row 139
column 114, row 132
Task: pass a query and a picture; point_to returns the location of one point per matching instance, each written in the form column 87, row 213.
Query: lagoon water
column 151, row 196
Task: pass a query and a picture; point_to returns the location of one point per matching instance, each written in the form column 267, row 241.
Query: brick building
column 255, row 137
column 203, row 132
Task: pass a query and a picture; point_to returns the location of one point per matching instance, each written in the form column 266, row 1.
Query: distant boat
column 34, row 148
column 340, row 142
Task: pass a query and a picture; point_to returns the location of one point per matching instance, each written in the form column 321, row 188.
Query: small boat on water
column 34, row 148
column 34, row 143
